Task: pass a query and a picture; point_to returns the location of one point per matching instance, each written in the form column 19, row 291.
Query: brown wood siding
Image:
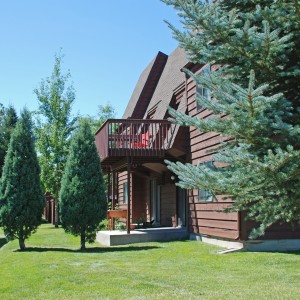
column 140, row 196
column 141, row 199
column 282, row 231
column 122, row 178
column 276, row 231
column 168, row 205
column 207, row 218
column 181, row 142
column 215, row 232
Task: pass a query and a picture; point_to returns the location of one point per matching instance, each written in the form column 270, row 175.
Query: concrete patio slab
column 120, row 237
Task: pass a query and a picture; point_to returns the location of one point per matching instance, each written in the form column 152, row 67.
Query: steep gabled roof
column 145, row 88
column 171, row 78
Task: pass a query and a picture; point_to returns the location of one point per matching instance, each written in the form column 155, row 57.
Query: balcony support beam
column 129, row 193
column 108, row 185
column 113, row 201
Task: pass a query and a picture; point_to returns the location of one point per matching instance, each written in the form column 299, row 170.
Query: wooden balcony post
column 108, row 185
column 128, row 193
column 113, row 182
column 113, row 204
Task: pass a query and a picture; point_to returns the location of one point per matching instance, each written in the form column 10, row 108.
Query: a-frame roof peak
column 145, row 87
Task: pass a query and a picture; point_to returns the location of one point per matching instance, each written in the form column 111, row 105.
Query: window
column 202, row 91
column 125, row 192
column 206, row 195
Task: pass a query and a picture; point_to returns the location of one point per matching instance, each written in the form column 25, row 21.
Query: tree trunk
column 82, row 240
column 21, row 241
column 56, row 221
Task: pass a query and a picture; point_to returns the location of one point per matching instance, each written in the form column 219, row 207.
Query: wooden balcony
column 126, row 137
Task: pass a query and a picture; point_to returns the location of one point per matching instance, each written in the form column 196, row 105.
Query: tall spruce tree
column 263, row 36
column 257, row 87
column 8, row 120
column 54, row 128
column 82, row 195
column 21, row 197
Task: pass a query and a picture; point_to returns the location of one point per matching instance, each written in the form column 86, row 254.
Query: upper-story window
column 206, row 195
column 202, row 91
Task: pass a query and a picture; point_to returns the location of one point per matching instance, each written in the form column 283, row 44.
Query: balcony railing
column 126, row 137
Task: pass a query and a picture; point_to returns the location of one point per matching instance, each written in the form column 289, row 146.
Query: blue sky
column 107, row 44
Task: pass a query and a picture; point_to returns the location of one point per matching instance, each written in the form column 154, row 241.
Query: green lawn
column 54, row 268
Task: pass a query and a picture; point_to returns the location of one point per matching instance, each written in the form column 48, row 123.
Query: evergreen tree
column 83, row 201
column 54, row 128
column 8, row 120
column 263, row 36
column 262, row 152
column 21, row 197
column 1, row 112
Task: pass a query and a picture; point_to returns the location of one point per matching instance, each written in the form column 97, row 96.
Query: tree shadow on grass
column 3, row 241
column 297, row 252
column 89, row 250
